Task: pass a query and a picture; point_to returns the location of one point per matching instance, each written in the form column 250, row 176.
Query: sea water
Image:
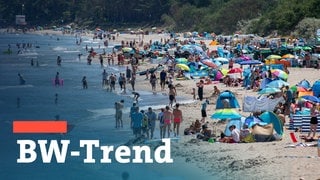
column 90, row 112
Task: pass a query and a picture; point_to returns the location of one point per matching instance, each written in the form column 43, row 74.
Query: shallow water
column 90, row 112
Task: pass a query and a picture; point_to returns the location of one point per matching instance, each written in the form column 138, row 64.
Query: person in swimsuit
column 200, row 89
column 314, row 120
column 167, row 117
column 177, row 119
column 172, row 94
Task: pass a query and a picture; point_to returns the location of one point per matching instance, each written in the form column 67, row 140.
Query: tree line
column 220, row 16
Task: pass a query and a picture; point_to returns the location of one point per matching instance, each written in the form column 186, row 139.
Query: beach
column 267, row 160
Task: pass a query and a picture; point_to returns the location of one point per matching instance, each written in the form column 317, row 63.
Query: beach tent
column 304, row 83
column 253, row 120
column 227, row 98
column 216, row 75
column 237, row 122
column 316, row 88
column 270, row 117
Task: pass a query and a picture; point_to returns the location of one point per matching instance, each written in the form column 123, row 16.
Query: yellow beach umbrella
column 288, row 56
column 183, row 67
column 224, row 71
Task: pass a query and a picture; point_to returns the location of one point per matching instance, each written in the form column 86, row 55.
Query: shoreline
column 269, row 160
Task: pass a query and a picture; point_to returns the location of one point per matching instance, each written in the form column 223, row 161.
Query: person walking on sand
column 177, row 119
column 204, row 110
column 167, row 117
column 152, row 117
column 153, row 81
column 172, row 94
column 200, row 86
column 163, row 78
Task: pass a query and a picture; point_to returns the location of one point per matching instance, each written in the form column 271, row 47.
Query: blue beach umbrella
column 225, row 114
column 269, row 90
column 311, row 98
column 277, row 84
column 250, row 62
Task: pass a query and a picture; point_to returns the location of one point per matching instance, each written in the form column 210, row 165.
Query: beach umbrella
column 224, row 71
column 181, row 60
column 183, row 67
column 235, row 70
column 218, row 63
column 288, row 56
column 249, row 62
column 126, row 49
column 210, row 64
column 225, row 114
column 297, row 48
column 279, row 73
column 222, row 60
column 306, row 48
column 277, row 84
column 272, row 56
column 245, row 58
column 311, row 98
column 269, row 90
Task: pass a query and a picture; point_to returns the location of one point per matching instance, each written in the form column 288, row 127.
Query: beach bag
column 248, row 139
column 262, row 130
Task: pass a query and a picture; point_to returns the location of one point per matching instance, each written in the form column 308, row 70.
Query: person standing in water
column 21, row 79
column 84, row 82
column 59, row 60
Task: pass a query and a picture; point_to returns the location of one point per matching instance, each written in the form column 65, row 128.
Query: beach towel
column 254, row 104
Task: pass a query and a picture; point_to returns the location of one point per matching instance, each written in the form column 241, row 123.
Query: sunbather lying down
column 308, row 138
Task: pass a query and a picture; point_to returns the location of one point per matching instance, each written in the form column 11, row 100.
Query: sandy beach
column 268, row 160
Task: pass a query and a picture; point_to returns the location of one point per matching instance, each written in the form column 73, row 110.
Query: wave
column 17, row 86
column 59, row 48
column 77, row 51
column 28, row 53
